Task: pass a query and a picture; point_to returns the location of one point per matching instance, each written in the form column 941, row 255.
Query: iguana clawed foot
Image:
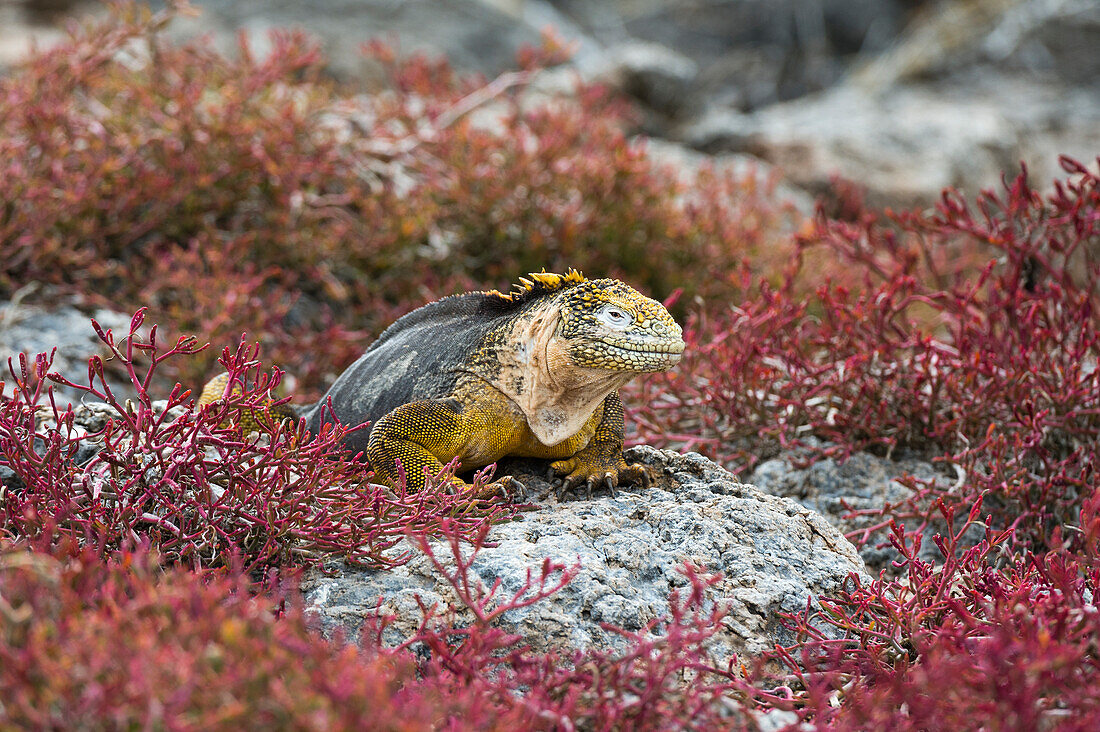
column 505, row 487
column 576, row 471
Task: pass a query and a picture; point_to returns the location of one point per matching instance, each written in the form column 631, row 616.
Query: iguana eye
column 614, row 317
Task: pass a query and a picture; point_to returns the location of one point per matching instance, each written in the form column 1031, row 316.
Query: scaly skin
column 481, row 376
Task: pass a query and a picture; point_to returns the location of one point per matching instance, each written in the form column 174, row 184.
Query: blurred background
column 904, row 97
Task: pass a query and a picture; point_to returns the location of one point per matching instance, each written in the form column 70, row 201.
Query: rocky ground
column 773, row 554
column 903, row 97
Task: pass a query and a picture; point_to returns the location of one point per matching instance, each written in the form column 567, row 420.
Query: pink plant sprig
column 125, row 642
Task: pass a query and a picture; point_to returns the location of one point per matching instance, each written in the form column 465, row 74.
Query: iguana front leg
column 424, row 436
column 601, row 461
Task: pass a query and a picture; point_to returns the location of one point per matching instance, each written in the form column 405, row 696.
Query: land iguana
column 530, row 373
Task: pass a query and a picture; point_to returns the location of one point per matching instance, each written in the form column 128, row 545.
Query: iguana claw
column 505, row 487
column 593, row 477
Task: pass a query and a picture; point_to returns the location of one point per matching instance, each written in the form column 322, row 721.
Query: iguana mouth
column 628, row 355
column 672, row 347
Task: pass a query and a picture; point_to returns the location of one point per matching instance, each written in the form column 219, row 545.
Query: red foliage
column 252, row 195
column 969, row 337
column 120, row 643
column 985, row 640
column 199, row 491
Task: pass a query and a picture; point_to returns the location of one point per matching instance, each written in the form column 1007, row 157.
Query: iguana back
column 417, row 357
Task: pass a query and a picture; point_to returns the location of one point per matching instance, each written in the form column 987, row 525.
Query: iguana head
column 570, row 342
column 602, row 324
column 610, row 325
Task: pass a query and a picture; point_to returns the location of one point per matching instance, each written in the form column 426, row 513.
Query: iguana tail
column 250, row 419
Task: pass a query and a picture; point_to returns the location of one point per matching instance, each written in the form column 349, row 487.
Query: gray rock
column 1058, row 38
column 474, row 35
column 749, row 52
column 738, row 165
column 969, row 90
column 834, row 489
column 654, row 74
column 773, row 554
column 779, row 720
column 1048, row 41
column 905, row 144
column 8, row 479
column 32, row 329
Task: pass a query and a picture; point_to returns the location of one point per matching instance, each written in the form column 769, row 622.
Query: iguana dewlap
column 484, row 375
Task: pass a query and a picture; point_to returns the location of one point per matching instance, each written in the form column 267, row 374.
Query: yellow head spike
column 536, row 283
